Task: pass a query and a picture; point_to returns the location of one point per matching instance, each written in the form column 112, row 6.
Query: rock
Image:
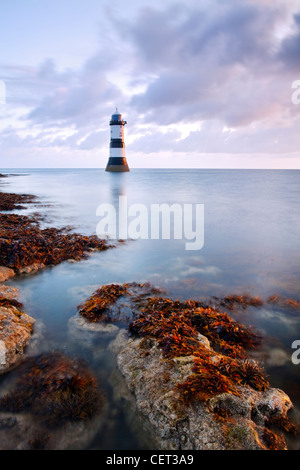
column 79, row 328
column 2, row 353
column 274, row 402
column 15, row 332
column 9, row 292
column 6, row 273
column 230, row 403
column 225, row 421
column 31, row 268
column 188, row 372
column 21, row 431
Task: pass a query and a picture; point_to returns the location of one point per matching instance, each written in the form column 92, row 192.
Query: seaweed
column 96, row 307
column 12, row 201
column 217, row 345
column 24, row 243
column 174, row 332
column 6, row 302
column 205, row 382
column 226, row 376
column 227, row 335
column 245, row 372
column 283, row 301
column 283, row 423
column 100, row 306
column 272, row 440
column 179, row 328
column 244, row 301
column 56, row 388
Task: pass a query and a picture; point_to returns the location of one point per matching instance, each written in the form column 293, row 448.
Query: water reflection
column 117, row 182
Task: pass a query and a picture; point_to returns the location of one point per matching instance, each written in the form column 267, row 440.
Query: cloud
column 223, row 70
column 290, row 48
column 155, row 140
column 49, row 108
column 222, row 63
column 77, row 101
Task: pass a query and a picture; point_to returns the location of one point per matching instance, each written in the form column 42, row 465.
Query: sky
column 201, row 83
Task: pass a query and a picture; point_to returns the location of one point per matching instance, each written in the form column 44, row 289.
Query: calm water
column 251, row 245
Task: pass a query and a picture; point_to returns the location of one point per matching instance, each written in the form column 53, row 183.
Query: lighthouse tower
column 117, row 160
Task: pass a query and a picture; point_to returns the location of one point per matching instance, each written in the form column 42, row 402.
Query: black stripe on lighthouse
column 117, row 144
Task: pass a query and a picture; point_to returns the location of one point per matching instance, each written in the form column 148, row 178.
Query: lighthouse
column 117, row 160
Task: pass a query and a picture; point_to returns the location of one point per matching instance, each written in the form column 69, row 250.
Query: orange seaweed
column 97, row 306
column 24, row 243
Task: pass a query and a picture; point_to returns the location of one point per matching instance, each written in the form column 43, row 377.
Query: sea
column 246, row 229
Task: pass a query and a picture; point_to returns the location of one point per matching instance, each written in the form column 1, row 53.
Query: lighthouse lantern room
column 117, row 160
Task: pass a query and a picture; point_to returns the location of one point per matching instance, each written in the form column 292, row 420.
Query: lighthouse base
column 117, row 164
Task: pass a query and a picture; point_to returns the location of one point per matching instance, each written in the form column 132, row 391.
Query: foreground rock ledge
column 153, row 379
column 188, row 368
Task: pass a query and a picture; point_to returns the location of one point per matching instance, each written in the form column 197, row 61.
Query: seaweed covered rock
column 24, row 246
column 57, row 389
column 98, row 307
column 16, row 328
column 219, row 419
column 116, row 303
column 12, row 201
column 55, row 404
column 190, row 369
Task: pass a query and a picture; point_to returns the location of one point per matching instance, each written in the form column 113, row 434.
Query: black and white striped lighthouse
column 117, row 160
